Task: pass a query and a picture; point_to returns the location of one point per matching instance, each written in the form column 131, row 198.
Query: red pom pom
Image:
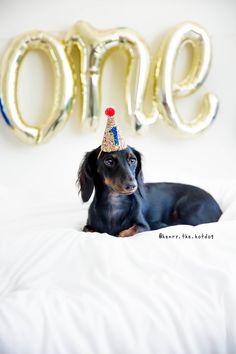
column 110, row 112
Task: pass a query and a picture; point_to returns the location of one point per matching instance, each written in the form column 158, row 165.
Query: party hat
column 112, row 139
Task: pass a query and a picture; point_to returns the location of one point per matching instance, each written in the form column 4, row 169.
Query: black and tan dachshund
column 124, row 205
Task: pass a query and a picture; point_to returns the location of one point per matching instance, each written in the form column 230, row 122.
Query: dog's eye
column 132, row 160
column 109, row 162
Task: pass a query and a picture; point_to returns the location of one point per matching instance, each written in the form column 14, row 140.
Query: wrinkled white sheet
column 63, row 291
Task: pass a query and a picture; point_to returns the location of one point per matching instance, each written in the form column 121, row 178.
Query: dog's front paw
column 128, row 232
column 88, row 229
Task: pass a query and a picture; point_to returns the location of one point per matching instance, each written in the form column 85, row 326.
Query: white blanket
column 66, row 292
column 63, row 291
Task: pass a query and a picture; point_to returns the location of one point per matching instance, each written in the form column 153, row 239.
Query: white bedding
column 64, row 291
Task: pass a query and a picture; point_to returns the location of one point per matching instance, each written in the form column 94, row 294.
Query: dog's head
column 119, row 171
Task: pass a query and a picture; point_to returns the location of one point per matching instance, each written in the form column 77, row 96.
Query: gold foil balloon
column 94, row 47
column 166, row 90
column 63, row 92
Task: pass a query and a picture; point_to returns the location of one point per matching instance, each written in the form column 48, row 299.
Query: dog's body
column 123, row 205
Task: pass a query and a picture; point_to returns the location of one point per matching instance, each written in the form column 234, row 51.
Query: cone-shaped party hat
column 112, row 139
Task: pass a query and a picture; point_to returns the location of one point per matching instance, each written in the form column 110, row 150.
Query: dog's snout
column 129, row 187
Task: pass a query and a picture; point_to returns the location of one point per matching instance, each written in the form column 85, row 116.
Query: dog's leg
column 135, row 229
column 140, row 225
column 129, row 232
column 87, row 228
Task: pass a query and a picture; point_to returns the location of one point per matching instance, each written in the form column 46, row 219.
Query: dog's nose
column 129, row 187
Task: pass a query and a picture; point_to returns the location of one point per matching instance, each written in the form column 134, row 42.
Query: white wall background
column 48, row 172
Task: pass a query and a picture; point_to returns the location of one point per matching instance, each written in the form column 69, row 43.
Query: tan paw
column 129, row 232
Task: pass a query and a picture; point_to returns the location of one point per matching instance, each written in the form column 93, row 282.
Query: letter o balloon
column 64, row 88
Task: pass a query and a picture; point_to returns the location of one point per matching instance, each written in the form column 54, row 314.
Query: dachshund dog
column 124, row 205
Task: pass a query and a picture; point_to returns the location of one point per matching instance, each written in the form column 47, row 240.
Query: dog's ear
column 139, row 172
column 86, row 174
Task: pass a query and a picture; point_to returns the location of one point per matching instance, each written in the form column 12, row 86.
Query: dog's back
column 177, row 203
